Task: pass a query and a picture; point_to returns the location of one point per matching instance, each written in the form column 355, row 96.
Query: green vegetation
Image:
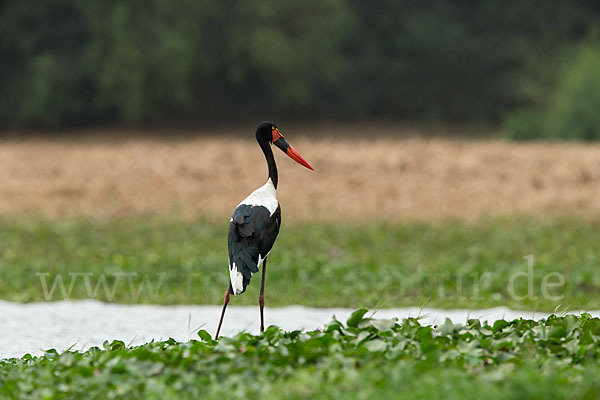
column 95, row 62
column 364, row 358
column 570, row 111
column 437, row 264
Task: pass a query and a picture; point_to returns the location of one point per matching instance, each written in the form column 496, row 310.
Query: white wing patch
column 261, row 259
column 237, row 279
column 265, row 196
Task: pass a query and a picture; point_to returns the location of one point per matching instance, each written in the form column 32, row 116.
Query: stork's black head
column 267, row 132
column 263, row 131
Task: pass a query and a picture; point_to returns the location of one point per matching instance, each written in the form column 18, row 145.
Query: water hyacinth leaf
column 474, row 323
column 364, row 323
column 383, row 325
column 571, row 322
column 204, row 335
column 557, row 331
column 363, row 335
column 356, row 317
column 450, row 355
column 424, row 333
column 334, row 325
column 244, row 365
column 376, row 345
column 348, row 332
column 446, row 328
column 428, row 345
column 499, row 325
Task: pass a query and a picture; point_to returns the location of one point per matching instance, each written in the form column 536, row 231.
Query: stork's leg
column 225, row 301
column 261, row 296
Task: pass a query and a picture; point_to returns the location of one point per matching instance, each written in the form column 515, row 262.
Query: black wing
column 252, row 232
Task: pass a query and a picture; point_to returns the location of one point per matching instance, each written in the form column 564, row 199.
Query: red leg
column 225, row 301
column 261, row 296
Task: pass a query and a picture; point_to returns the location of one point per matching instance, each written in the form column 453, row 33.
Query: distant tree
column 70, row 63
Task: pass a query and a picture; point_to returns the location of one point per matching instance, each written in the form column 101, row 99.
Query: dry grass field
column 354, row 179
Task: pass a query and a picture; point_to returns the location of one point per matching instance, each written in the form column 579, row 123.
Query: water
column 35, row 327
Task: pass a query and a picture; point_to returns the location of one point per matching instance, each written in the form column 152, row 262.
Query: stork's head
column 267, row 132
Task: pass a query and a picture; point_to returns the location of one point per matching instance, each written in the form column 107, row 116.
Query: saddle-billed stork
column 255, row 223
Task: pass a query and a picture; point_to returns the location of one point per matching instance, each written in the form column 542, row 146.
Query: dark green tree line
column 103, row 62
